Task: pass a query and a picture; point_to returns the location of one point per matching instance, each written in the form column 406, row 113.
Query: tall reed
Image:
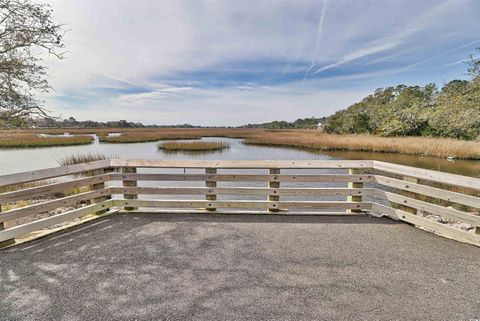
column 82, row 158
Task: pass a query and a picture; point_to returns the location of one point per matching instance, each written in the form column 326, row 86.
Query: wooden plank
column 7, row 241
column 448, row 212
column 273, row 185
column 242, row 191
column 324, row 178
column 434, row 176
column 359, row 185
column 50, row 205
column 326, row 205
column 210, row 185
column 129, row 183
column 193, row 204
column 409, row 194
column 239, row 204
column 39, row 191
column 437, row 228
column 254, row 164
column 48, row 173
column 245, row 212
column 99, row 186
column 52, row 220
column 439, row 193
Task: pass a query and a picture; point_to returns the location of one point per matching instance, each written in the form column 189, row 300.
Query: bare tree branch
column 25, row 26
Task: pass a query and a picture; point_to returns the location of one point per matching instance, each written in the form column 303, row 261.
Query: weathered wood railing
column 319, row 187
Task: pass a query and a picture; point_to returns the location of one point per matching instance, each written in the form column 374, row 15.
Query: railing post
column 99, row 186
column 273, row 184
column 212, row 184
column 2, row 227
column 129, row 183
column 354, row 198
column 406, row 208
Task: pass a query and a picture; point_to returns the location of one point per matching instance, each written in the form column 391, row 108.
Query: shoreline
column 312, row 140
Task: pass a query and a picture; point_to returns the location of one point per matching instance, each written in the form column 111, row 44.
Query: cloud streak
column 246, row 61
column 317, row 39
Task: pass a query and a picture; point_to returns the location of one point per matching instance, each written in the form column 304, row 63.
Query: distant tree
column 27, row 29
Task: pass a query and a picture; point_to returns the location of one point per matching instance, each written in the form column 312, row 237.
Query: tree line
column 71, row 122
column 452, row 111
column 301, row 123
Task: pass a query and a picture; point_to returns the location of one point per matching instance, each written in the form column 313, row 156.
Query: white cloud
column 145, row 59
column 398, row 37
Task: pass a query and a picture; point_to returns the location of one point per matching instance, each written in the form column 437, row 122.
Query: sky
column 228, row 63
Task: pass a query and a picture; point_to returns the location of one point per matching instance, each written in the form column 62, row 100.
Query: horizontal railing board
column 325, row 205
column 321, row 178
column 44, row 190
column 193, row 203
column 437, row 228
column 439, row 193
column 50, row 205
column 23, row 229
column 240, row 212
column 239, row 204
column 241, row 191
column 434, row 176
column 26, row 177
column 239, row 164
column 447, row 212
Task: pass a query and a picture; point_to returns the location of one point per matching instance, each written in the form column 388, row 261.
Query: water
column 20, row 160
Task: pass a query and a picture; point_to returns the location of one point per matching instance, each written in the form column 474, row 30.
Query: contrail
column 317, row 40
column 468, row 44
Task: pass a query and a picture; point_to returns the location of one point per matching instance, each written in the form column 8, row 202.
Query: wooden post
column 354, row 198
column 7, row 242
column 274, row 184
column 477, row 230
column 126, row 183
column 212, row 184
column 98, row 186
column 406, row 208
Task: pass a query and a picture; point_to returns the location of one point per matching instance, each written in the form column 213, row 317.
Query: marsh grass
column 32, row 140
column 420, row 146
column 145, row 137
column 199, row 146
column 304, row 139
column 82, row 158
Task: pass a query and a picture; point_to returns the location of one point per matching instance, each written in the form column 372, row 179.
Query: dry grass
column 306, row 139
column 144, row 137
column 28, row 140
column 82, row 158
column 193, row 146
column 424, row 146
column 154, row 135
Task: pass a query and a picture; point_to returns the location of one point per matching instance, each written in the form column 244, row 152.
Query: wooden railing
column 312, row 187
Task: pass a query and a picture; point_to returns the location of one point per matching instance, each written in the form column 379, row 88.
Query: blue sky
column 237, row 62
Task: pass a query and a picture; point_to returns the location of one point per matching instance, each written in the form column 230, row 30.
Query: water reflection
column 462, row 167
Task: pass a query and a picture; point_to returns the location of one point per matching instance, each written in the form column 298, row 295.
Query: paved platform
column 191, row 267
